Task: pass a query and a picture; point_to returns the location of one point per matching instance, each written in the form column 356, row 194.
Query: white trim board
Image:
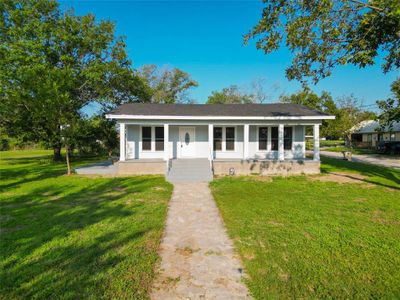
column 145, row 117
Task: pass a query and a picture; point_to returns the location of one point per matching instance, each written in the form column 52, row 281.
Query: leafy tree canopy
column 390, row 108
column 53, row 63
column 229, row 95
column 166, row 86
column 324, row 34
column 347, row 110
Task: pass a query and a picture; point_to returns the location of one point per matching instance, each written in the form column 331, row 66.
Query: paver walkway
column 198, row 261
column 369, row 159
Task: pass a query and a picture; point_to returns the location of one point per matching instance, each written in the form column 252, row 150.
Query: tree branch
column 366, row 5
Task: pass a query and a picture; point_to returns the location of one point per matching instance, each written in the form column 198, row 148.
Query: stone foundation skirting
column 141, row 167
column 282, row 168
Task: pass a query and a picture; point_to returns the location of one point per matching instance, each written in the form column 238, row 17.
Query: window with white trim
column 287, row 138
column 152, row 138
column 217, row 138
column 224, row 138
column 274, row 138
column 146, row 138
column 262, row 138
column 230, row 138
column 159, row 133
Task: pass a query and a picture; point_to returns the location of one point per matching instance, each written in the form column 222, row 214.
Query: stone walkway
column 198, row 261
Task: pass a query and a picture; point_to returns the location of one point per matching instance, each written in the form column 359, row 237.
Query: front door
column 186, row 142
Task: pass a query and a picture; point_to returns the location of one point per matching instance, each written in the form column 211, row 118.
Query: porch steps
column 190, row 170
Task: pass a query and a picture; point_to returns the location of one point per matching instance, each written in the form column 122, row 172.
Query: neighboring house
column 368, row 133
column 183, row 140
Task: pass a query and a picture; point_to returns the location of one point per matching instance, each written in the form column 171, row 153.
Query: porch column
column 166, row 143
column 246, row 141
column 122, row 147
column 281, row 150
column 316, row 142
column 211, row 141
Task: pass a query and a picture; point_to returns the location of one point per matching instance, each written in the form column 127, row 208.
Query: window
column 230, row 138
column 369, row 137
column 262, row 138
column 159, row 138
column 274, row 138
column 287, row 138
column 217, row 138
column 392, row 137
column 146, row 138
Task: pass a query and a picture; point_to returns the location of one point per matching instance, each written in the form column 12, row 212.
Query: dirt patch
column 377, row 216
column 258, row 178
column 275, row 223
column 341, row 177
column 360, row 200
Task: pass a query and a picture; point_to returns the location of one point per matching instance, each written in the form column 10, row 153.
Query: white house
column 198, row 140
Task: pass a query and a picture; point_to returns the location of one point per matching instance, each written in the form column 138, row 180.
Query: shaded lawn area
column 386, row 177
column 72, row 237
column 300, row 238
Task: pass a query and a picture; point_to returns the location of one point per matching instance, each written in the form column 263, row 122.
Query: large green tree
column 328, row 33
column 52, row 64
column 348, row 111
column 390, row 108
column 230, row 95
column 323, row 103
column 166, row 85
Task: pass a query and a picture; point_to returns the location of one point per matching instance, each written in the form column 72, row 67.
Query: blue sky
column 204, row 38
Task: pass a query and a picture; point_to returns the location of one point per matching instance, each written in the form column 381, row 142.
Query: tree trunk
column 57, row 153
column 67, row 160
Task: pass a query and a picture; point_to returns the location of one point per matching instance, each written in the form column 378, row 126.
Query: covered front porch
column 276, row 142
column 236, row 149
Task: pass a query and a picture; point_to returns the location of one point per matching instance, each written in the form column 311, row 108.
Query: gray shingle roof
column 234, row 110
column 371, row 126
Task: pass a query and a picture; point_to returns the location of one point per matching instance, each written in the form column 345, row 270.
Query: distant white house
column 368, row 133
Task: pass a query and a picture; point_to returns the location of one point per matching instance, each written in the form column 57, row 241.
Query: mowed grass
column 300, row 238
column 74, row 237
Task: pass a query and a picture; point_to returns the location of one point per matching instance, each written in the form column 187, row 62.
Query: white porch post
column 122, row 138
column 211, row 141
column 281, row 150
column 166, row 143
column 316, row 142
column 246, row 141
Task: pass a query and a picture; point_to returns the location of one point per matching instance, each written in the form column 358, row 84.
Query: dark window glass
column 274, row 138
column 287, row 138
column 146, row 138
column 217, row 138
column 262, row 138
column 159, row 138
column 230, row 138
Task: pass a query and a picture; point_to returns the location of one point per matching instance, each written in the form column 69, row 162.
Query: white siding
column 134, row 150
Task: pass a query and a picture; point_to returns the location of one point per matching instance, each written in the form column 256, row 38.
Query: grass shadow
column 386, row 177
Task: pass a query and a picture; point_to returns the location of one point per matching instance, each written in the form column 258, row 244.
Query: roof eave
column 169, row 117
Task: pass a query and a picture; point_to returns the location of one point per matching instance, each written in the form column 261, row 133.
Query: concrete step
column 190, row 170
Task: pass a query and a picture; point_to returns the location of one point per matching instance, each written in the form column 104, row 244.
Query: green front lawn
column 353, row 150
column 73, row 237
column 300, row 238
